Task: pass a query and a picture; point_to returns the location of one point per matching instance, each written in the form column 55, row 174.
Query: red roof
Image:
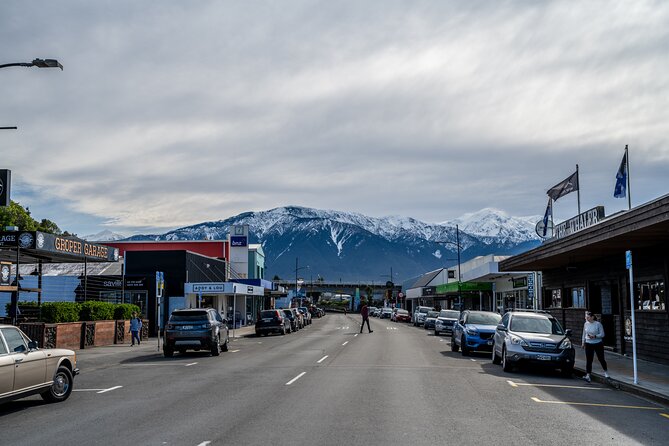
column 210, row 248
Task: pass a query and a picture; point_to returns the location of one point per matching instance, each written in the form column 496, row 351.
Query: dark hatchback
column 196, row 329
column 291, row 314
column 272, row 321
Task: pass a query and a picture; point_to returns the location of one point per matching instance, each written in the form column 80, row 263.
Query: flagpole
column 629, row 193
column 578, row 191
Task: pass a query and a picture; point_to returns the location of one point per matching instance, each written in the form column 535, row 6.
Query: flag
column 621, row 179
column 549, row 211
column 564, row 187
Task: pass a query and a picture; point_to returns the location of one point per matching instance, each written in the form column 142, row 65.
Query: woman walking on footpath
column 135, row 328
column 593, row 342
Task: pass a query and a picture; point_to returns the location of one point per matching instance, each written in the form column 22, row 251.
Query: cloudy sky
column 171, row 113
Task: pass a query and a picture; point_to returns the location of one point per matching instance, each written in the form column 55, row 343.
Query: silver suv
column 532, row 338
column 196, row 329
column 419, row 315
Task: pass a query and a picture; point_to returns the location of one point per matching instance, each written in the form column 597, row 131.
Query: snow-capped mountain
column 104, row 236
column 351, row 246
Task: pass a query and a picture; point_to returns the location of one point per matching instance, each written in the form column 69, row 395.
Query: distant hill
column 349, row 246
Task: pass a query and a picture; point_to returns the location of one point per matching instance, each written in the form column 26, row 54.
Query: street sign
column 628, row 259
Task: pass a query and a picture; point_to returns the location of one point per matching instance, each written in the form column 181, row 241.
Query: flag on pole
column 564, row 187
column 621, row 179
column 549, row 212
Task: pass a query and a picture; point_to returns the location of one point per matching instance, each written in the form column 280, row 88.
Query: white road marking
column 391, row 328
column 234, row 351
column 345, row 343
column 204, row 443
column 618, row 406
column 355, row 335
column 192, row 363
column 664, row 415
column 322, row 359
column 110, row 389
column 514, row 384
column 296, row 378
column 472, row 359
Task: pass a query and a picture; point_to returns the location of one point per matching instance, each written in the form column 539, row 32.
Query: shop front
column 234, row 300
column 587, row 270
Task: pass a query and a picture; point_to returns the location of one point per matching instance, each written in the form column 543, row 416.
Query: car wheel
column 61, row 388
column 226, row 345
column 567, row 371
column 215, row 348
column 495, row 359
column 168, row 352
column 436, row 333
column 182, row 350
column 463, row 346
column 283, row 331
column 506, row 365
column 454, row 346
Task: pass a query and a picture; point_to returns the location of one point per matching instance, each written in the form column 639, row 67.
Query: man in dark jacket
column 364, row 312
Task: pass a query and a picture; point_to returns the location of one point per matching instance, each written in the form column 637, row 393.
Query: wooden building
column 585, row 268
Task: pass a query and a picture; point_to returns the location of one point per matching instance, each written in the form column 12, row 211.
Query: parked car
column 196, row 329
column 27, row 370
column 474, row 331
column 234, row 318
column 430, row 319
column 372, row 310
column 306, row 315
column 445, row 322
column 376, row 312
column 385, row 313
column 419, row 315
column 401, row 315
column 291, row 314
column 529, row 338
column 272, row 321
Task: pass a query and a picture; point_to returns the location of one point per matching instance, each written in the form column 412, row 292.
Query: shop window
column 556, row 298
column 578, row 297
column 650, row 296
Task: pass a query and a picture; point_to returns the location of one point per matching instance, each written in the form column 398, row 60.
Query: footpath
column 652, row 378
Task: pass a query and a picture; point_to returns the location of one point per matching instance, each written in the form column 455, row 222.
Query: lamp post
column 391, row 281
column 296, row 270
column 39, row 63
column 457, row 245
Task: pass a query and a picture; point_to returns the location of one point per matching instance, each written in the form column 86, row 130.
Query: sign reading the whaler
column 581, row 221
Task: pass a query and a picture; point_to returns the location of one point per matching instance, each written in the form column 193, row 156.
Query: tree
column 17, row 215
column 47, row 225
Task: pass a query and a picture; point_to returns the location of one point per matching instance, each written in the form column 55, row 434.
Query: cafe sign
column 581, row 221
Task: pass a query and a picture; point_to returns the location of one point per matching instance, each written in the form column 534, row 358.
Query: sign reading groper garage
column 581, row 221
column 42, row 241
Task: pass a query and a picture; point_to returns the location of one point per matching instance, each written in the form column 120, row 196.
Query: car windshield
column 484, row 318
column 268, row 313
column 402, row 312
column 451, row 314
column 185, row 316
column 432, row 314
column 423, row 310
column 536, row 325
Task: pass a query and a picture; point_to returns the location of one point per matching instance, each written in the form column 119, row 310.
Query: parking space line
column 356, row 335
column 617, row 406
column 204, row 443
column 345, row 343
column 110, row 389
column 322, row 359
column 192, row 363
column 234, row 351
column 296, row 378
column 559, row 386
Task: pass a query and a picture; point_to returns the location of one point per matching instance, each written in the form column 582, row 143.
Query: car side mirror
column 501, row 327
column 567, row 332
column 32, row 345
column 225, row 320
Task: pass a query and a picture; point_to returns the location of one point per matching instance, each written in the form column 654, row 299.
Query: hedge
column 54, row 312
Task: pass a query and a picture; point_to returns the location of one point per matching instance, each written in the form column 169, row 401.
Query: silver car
column 532, row 338
column 26, row 369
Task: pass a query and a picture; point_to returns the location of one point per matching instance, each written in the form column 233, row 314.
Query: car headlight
column 518, row 341
column 566, row 344
column 471, row 331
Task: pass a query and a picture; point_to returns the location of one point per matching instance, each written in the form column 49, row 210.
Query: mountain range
column 345, row 246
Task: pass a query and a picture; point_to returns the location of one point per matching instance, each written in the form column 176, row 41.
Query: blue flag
column 549, row 211
column 621, row 179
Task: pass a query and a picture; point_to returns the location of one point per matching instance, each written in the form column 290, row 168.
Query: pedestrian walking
column 593, row 342
column 364, row 312
column 135, row 328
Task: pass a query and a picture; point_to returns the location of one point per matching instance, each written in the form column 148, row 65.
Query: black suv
column 272, row 321
column 196, row 329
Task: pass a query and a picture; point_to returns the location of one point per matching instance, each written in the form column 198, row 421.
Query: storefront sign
column 581, row 221
column 5, row 271
column 628, row 329
column 5, row 182
column 519, row 282
column 42, row 241
column 8, row 239
column 530, row 286
column 135, row 282
column 429, row 290
column 209, row 287
column 238, row 241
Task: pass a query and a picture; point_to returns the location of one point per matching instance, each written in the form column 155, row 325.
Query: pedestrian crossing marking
column 391, row 328
column 617, row 406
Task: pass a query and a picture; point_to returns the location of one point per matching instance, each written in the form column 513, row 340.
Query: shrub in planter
column 54, row 312
column 124, row 311
column 93, row 310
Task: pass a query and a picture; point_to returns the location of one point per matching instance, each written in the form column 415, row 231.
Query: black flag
column 567, row 186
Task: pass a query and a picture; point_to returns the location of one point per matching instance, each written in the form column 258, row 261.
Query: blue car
column 474, row 331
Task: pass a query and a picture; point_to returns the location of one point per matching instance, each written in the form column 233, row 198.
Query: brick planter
column 79, row 335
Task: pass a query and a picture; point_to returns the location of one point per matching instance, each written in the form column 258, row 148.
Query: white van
column 419, row 315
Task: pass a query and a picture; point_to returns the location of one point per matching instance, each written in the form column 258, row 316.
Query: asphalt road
column 328, row 385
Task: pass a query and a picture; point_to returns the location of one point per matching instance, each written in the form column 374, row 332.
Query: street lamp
column 296, row 270
column 457, row 245
column 39, row 63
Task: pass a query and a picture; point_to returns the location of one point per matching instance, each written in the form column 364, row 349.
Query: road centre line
column 345, row 343
column 617, row 406
column 559, row 386
column 296, row 378
column 322, row 359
